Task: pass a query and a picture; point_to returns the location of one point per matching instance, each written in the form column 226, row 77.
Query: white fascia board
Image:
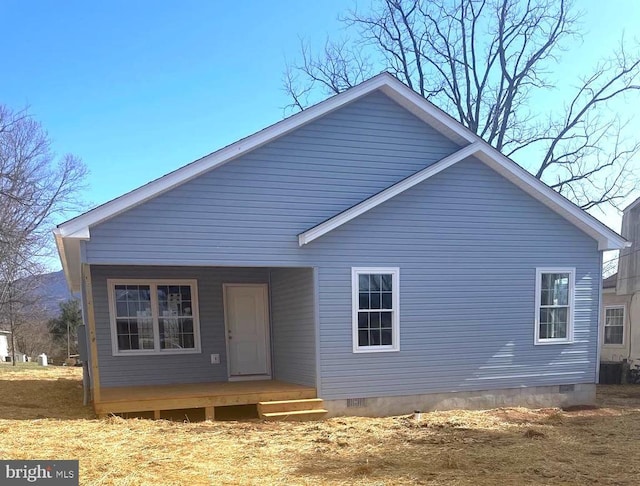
column 69, row 253
column 188, row 172
column 392, row 191
column 385, row 82
column 607, row 238
column 79, row 227
column 81, row 234
column 57, row 235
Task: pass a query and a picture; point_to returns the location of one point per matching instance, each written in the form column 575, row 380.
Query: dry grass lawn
column 41, row 417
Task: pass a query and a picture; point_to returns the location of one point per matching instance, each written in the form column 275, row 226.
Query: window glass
column 142, row 321
column 555, row 289
column 375, row 309
column 134, row 322
column 614, row 325
column 554, row 308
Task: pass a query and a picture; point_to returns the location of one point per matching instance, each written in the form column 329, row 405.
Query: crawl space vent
column 567, row 388
column 356, row 402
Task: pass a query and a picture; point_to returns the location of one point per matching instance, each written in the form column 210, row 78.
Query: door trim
column 267, row 334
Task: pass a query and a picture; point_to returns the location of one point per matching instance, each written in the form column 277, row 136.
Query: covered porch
column 170, row 338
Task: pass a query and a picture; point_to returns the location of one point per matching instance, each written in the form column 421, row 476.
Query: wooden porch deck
column 157, row 398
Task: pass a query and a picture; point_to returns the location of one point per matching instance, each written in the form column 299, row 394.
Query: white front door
column 246, row 314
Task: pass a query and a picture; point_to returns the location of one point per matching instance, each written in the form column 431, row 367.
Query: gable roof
column 69, row 234
column 607, row 238
column 384, row 82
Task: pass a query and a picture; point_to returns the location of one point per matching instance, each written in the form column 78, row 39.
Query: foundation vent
column 356, row 402
column 567, row 388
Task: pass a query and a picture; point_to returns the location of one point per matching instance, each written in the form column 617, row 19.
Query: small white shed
column 4, row 345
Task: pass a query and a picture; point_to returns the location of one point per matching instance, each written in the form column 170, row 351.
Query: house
column 5, row 349
column 4, row 346
column 620, row 328
column 366, row 256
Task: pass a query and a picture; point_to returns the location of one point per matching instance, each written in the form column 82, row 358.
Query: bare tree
column 29, row 325
column 488, row 63
column 33, row 339
column 64, row 327
column 35, row 188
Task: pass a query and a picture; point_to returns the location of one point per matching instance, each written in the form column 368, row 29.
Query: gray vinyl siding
column 170, row 368
column 467, row 243
column 251, row 209
column 293, row 326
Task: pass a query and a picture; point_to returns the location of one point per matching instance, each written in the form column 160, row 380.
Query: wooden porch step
column 290, row 405
column 305, row 409
column 296, row 415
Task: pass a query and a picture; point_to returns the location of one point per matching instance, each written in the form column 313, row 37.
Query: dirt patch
column 503, row 446
column 534, row 434
column 579, row 408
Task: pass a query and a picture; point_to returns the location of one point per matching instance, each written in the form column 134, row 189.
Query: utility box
column 82, row 343
column 611, row 373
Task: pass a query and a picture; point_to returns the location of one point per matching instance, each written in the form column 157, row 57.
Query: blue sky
column 139, row 88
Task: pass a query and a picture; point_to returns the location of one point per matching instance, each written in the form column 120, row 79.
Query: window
column 614, row 325
column 375, row 309
column 154, row 317
column 554, row 305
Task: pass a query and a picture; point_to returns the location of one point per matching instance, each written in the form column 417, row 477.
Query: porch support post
column 209, row 413
column 316, row 323
column 91, row 325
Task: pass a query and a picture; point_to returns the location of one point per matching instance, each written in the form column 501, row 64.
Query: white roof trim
column 70, row 256
column 385, row 82
column 70, row 233
column 607, row 239
column 355, row 211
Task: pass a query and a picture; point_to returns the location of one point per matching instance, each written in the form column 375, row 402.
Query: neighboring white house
column 620, row 318
column 4, row 345
column 5, row 349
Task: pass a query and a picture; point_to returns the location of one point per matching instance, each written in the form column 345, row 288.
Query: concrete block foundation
column 530, row 397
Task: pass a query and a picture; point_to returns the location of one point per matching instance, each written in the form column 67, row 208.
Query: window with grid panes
column 150, row 317
column 375, row 308
column 554, row 305
column 614, row 325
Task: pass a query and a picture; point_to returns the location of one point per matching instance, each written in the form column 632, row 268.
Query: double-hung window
column 614, row 325
column 154, row 317
column 555, row 289
column 375, row 302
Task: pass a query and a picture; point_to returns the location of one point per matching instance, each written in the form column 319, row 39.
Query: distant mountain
column 51, row 291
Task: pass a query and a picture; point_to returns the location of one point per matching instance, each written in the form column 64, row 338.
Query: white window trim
column 395, row 296
column 111, row 283
column 572, row 290
column 604, row 325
